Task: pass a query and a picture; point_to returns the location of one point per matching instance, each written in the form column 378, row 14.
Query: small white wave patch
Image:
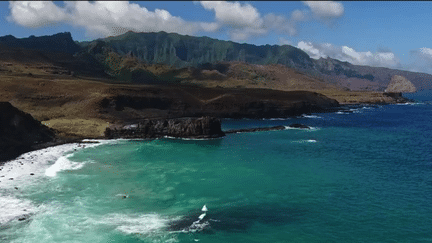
column 14, row 208
column 276, row 119
column 147, row 224
column 310, row 116
column 306, row 141
column 304, row 129
column 63, row 163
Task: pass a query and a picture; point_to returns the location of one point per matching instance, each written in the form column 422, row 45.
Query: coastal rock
column 204, row 127
column 297, row 125
column 256, row 129
column 20, row 132
column 400, row 84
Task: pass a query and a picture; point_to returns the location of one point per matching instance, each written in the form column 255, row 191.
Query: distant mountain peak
column 60, row 42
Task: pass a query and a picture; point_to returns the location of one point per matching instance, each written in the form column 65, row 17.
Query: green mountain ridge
column 183, row 51
column 125, row 57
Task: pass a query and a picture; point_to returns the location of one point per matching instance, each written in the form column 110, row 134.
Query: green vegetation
column 182, row 51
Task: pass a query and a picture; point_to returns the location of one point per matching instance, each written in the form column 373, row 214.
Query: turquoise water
column 364, row 176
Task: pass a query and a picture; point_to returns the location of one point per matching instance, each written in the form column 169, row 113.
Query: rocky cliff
column 182, row 51
column 19, row 132
column 204, row 127
column 127, row 104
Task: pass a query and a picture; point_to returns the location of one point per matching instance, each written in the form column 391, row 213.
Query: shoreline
column 83, row 140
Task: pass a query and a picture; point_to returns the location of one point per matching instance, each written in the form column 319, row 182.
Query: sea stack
column 400, row 84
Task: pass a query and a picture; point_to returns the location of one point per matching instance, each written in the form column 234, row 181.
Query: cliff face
column 187, row 51
column 182, row 51
column 19, row 132
column 172, row 102
column 204, row 127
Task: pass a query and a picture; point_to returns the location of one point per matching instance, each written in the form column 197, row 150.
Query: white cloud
column 241, row 20
column 426, row 53
column 244, row 21
column 325, row 9
column 283, row 25
column 284, row 41
column 234, row 13
column 104, row 18
column 35, row 13
column 345, row 53
column 422, row 60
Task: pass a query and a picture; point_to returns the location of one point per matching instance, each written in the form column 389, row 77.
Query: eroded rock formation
column 204, row 127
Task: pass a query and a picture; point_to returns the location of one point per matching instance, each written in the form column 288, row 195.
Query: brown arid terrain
column 76, row 98
column 84, row 108
column 276, row 77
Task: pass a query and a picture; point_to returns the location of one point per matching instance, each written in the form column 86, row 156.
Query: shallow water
column 359, row 176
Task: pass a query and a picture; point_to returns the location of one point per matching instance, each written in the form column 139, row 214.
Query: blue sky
column 386, row 34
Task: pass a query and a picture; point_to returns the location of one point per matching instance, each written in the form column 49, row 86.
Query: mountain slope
column 182, row 50
column 134, row 58
column 187, row 51
column 61, row 42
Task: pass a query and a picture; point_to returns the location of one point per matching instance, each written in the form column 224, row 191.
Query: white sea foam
column 296, row 128
column 201, row 216
column 187, row 139
column 310, row 116
column 197, row 226
column 306, row 141
column 407, row 103
column 146, row 224
column 14, row 208
column 276, row 119
column 63, row 163
column 37, row 162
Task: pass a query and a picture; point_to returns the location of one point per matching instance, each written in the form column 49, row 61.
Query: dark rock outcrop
column 204, row 127
column 261, row 129
column 297, row 125
column 20, row 132
column 398, row 97
column 256, row 129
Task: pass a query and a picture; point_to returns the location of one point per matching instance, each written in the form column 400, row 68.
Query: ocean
column 359, row 176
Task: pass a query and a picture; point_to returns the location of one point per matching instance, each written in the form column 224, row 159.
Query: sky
column 384, row 34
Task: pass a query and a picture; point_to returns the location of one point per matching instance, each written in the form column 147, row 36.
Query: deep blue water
column 363, row 176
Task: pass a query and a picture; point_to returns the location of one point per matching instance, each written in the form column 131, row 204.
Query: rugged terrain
column 80, row 89
column 181, row 51
column 19, row 132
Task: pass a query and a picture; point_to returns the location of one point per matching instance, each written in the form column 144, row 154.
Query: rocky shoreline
column 21, row 133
